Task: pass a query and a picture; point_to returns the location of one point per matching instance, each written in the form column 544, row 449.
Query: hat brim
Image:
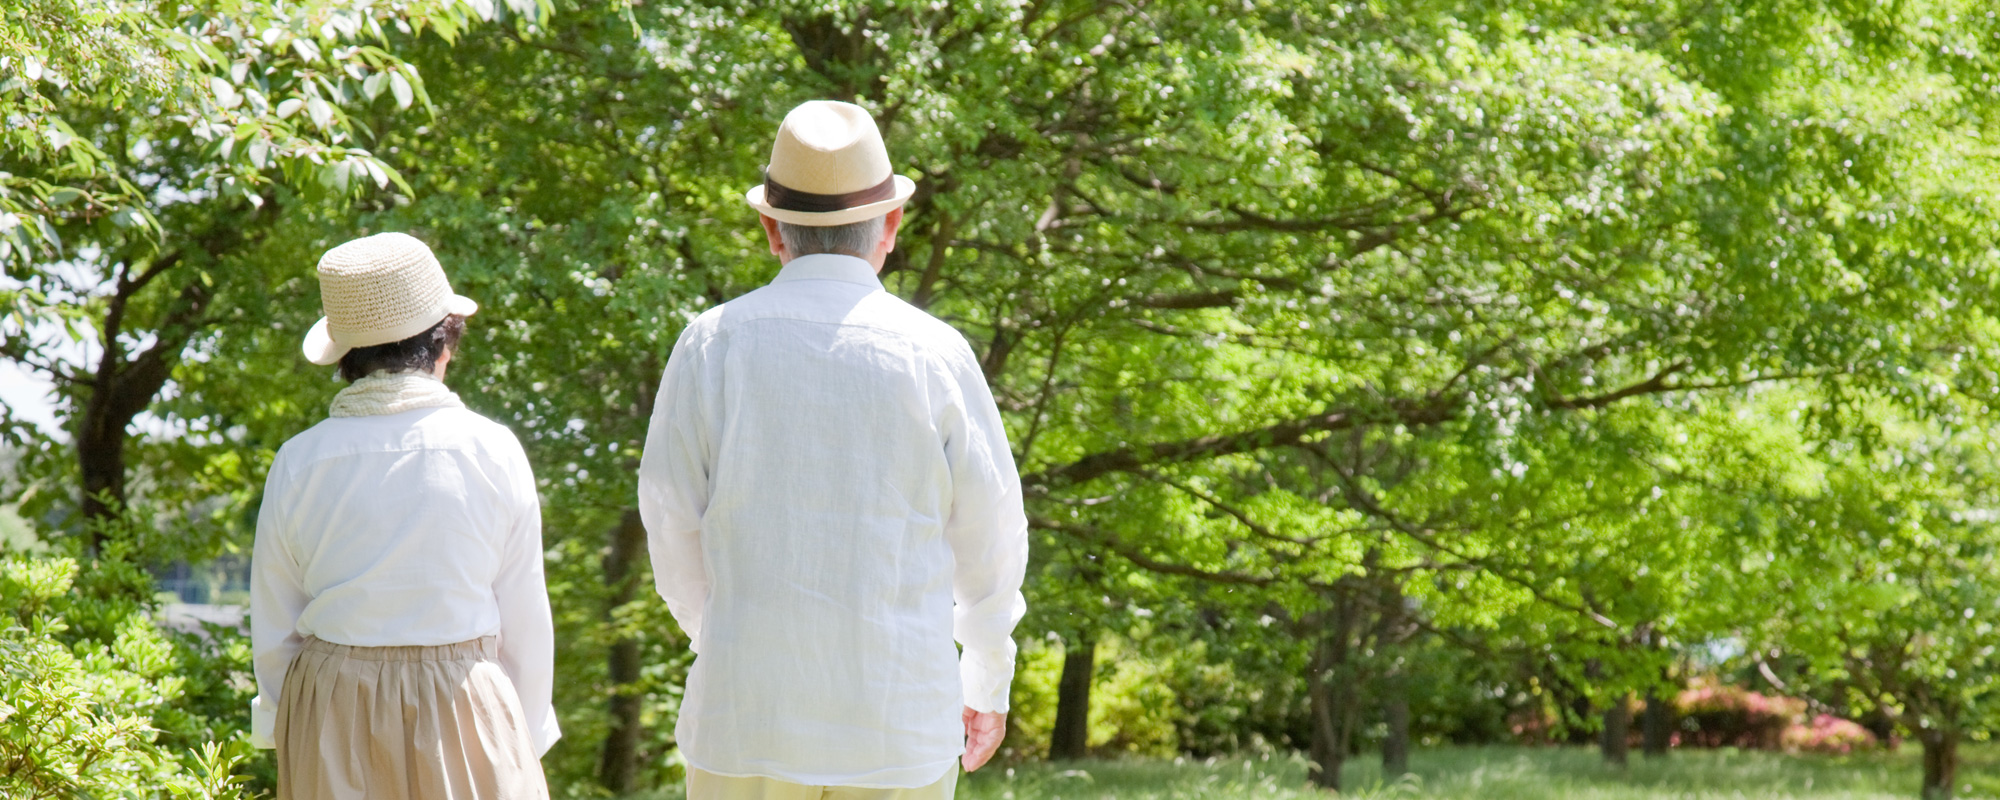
column 820, row 219
column 320, row 348
column 461, row 305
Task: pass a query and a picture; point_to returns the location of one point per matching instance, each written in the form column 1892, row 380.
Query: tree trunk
column 1396, row 712
column 1330, row 688
column 100, row 454
column 841, row 52
column 1658, row 724
column 1617, row 729
column 1071, row 737
column 1327, row 750
column 1883, row 725
column 1576, row 720
column 619, row 765
column 124, row 384
column 1940, row 762
column 1394, row 684
column 120, row 389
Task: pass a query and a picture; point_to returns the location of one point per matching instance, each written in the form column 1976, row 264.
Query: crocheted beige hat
column 376, row 290
column 829, row 167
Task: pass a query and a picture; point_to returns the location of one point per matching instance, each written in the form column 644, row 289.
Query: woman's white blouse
column 418, row 528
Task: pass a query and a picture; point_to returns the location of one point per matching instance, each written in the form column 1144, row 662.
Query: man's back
column 826, row 472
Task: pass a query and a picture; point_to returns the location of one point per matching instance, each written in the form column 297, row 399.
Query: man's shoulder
column 917, row 324
column 704, row 325
column 878, row 310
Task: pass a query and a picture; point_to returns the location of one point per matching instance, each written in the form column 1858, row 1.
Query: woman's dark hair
column 420, row 352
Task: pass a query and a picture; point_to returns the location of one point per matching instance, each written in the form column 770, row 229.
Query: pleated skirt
column 403, row 723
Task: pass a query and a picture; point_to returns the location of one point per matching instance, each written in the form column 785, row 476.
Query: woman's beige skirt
column 403, row 723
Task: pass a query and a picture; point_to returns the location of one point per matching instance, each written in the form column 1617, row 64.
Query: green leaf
column 226, row 95
column 401, row 87
column 320, row 111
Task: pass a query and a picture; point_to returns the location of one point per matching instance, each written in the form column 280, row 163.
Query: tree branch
column 947, row 225
column 131, row 388
column 1439, row 406
column 1111, row 542
column 1362, row 500
column 1653, row 385
column 1219, row 298
column 1238, row 514
column 1289, row 432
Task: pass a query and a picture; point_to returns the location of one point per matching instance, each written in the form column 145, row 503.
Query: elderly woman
column 398, row 614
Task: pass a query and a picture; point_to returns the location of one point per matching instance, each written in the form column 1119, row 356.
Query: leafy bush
column 1240, row 699
column 76, row 714
column 1134, row 708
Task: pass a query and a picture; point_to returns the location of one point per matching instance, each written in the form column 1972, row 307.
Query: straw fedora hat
column 376, row 290
column 829, row 167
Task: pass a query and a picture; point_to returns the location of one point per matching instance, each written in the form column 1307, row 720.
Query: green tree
column 1451, row 316
column 1286, row 299
column 1879, row 577
column 150, row 150
column 148, row 147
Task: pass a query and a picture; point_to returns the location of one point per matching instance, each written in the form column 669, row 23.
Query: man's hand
column 983, row 732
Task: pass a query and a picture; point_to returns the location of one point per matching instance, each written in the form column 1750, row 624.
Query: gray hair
column 854, row 239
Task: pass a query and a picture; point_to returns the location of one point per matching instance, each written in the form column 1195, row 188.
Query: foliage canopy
column 1575, row 335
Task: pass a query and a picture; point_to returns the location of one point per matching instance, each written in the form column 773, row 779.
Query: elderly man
column 831, row 501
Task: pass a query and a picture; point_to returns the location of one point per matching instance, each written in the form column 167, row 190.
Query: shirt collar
column 829, row 267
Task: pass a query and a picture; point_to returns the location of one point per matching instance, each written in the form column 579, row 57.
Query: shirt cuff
column 263, row 723
column 547, row 733
column 985, row 678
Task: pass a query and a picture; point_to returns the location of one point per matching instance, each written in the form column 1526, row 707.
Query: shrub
column 1533, row 724
column 1828, row 734
column 1730, row 716
column 75, row 716
column 1134, row 706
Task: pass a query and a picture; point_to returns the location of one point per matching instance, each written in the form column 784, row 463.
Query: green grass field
column 1490, row 773
column 1497, row 773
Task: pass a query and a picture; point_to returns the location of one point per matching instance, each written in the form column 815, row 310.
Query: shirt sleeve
column 673, row 489
column 527, row 632
column 988, row 534
column 277, row 598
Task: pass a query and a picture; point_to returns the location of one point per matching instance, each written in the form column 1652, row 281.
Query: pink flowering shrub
column 1731, row 716
column 1828, row 734
column 1532, row 725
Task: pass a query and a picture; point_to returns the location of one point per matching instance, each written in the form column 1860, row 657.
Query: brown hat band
column 779, row 196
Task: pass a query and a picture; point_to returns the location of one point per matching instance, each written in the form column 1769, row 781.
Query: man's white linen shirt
column 830, row 500
column 418, row 528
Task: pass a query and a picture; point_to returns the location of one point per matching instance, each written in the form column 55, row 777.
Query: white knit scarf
column 393, row 393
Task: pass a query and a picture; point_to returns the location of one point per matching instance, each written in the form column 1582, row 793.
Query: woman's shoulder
column 442, row 428
column 477, row 431
column 464, row 424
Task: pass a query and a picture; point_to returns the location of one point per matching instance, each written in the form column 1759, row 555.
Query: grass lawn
column 1498, row 773
column 1490, row 773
